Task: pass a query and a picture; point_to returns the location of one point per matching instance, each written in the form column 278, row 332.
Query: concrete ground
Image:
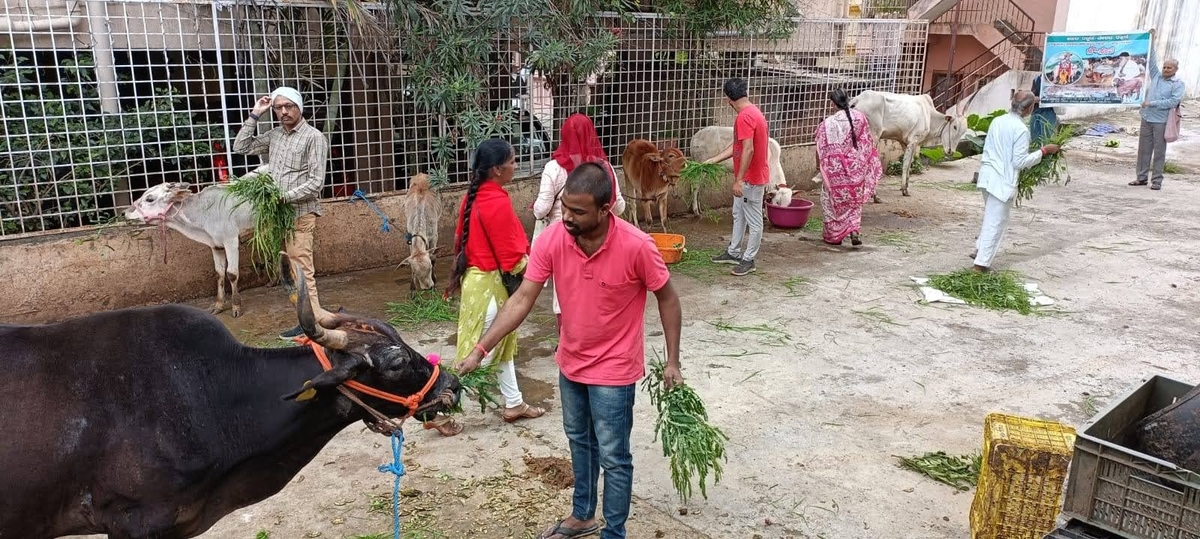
column 821, row 367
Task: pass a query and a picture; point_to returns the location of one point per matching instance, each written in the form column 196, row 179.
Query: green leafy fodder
column 424, row 307
column 698, row 175
column 1051, row 169
column 481, row 382
column 695, row 448
column 999, row 290
column 274, row 219
column 960, row 472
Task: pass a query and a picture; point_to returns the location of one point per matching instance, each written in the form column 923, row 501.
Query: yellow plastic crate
column 1020, row 489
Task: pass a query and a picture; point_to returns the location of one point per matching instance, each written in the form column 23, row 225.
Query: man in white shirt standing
column 1005, row 154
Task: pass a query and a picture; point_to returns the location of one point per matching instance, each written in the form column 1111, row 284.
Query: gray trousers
column 747, row 214
column 1152, row 148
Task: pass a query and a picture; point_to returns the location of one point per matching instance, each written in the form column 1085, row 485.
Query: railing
column 989, row 12
column 1022, row 47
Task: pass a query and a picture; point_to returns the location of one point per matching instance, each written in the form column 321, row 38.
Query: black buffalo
column 156, row 422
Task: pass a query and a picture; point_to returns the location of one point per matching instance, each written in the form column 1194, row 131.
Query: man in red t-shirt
column 750, row 177
column 602, row 268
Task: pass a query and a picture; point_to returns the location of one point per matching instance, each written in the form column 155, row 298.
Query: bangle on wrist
column 481, row 349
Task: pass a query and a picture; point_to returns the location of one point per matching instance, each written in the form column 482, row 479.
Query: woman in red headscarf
column 579, row 144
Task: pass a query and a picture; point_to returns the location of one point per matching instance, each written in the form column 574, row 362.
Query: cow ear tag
column 307, row 394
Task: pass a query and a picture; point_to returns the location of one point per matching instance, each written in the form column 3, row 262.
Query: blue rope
column 397, row 468
column 359, row 194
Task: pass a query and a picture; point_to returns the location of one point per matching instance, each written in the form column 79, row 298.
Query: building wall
column 966, row 48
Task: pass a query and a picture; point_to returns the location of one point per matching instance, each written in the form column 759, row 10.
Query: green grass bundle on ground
column 999, row 290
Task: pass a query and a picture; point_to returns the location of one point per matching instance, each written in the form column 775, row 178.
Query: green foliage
column 451, row 45
column 759, row 18
column 1051, row 169
column 274, row 219
column 978, row 127
column 61, row 155
column 896, row 167
column 937, row 155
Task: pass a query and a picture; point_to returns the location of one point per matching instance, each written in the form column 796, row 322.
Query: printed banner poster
column 1095, row 69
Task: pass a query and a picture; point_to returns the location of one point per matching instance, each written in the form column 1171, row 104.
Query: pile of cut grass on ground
column 960, row 472
column 698, row 264
column 999, row 290
column 424, row 307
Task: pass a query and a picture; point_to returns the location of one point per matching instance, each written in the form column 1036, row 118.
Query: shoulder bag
column 510, row 281
column 1172, row 133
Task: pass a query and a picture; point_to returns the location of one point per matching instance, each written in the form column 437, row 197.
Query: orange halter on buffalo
column 412, row 401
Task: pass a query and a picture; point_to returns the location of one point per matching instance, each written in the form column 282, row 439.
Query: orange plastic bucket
column 670, row 246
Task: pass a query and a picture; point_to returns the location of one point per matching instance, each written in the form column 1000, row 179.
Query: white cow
column 210, row 218
column 714, row 139
column 911, row 120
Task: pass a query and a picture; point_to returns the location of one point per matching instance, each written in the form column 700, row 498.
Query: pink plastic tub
column 795, row 215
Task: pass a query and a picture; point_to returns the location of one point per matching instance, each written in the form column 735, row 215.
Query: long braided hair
column 842, row 101
column 490, row 154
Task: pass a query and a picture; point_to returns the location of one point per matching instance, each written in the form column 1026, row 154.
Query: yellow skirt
column 479, row 289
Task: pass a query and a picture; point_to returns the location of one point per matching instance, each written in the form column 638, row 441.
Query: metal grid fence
column 100, row 100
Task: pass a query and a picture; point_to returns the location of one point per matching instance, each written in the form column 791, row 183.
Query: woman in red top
column 494, row 241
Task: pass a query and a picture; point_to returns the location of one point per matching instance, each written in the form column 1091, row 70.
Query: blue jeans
column 598, row 421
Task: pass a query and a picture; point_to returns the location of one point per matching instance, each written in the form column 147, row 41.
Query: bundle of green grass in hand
column 1051, row 169
column 999, row 290
column 694, row 447
column 699, row 176
column 274, row 219
column 481, row 382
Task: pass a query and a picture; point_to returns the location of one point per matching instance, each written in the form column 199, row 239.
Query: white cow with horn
column 911, row 120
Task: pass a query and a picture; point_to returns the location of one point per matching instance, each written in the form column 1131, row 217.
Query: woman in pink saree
column 849, row 162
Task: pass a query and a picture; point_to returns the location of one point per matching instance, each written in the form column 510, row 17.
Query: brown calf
column 650, row 174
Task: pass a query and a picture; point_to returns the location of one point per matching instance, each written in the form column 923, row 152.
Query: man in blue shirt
column 1164, row 94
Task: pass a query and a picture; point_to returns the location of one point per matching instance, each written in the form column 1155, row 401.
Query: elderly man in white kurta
column 1005, row 154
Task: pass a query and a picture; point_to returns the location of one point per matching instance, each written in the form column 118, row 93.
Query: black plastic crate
column 1078, row 530
column 1127, row 492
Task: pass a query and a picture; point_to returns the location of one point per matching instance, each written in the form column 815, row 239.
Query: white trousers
column 995, row 224
column 507, row 371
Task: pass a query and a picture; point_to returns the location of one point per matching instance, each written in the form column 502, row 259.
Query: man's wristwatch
column 253, row 116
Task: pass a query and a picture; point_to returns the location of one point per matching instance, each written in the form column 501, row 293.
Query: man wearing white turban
column 294, row 154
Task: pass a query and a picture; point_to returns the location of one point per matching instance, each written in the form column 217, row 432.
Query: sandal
column 1137, row 183
column 854, row 240
column 446, row 426
column 558, row 530
column 524, row 411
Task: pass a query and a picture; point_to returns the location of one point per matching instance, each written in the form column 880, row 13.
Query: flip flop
column 563, row 531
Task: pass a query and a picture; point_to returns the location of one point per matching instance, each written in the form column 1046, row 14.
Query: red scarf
column 580, row 144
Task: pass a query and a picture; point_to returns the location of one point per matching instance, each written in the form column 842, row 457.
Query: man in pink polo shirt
column 602, row 269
